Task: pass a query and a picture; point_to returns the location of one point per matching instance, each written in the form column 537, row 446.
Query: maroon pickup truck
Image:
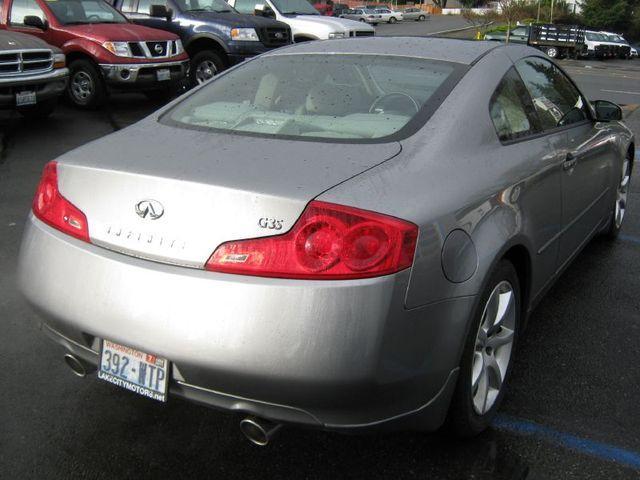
column 104, row 50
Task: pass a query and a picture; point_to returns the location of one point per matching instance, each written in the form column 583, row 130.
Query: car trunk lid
column 173, row 195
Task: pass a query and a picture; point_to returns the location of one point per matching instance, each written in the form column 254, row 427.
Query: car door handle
column 570, row 161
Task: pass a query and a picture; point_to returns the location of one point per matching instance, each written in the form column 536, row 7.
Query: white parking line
column 621, row 91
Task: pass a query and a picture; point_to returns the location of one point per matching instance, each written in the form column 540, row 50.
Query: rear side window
column 557, row 102
column 508, row 108
column 25, row 8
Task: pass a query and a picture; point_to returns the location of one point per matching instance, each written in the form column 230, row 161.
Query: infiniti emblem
column 151, row 209
column 158, row 48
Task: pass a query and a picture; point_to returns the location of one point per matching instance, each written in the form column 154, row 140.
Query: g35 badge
column 270, row 223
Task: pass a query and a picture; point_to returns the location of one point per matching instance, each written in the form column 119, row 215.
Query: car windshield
column 79, row 12
column 349, row 97
column 295, row 7
column 218, row 6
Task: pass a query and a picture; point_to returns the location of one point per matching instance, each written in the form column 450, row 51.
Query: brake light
column 327, row 242
column 55, row 210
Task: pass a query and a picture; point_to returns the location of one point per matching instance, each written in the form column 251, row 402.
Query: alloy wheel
column 82, row 86
column 552, row 52
column 622, row 193
column 206, row 70
column 493, row 346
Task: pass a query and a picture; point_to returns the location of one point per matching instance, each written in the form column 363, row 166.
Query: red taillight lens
column 55, row 210
column 327, row 242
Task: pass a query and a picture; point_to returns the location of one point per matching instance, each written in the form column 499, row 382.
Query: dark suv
column 214, row 34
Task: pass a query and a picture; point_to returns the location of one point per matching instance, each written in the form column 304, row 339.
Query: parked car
column 104, row 51
column 519, row 34
column 33, row 74
column 338, row 8
column 389, row 16
column 363, row 15
column 623, row 49
column 598, row 46
column 634, row 52
column 558, row 41
column 311, row 259
column 305, row 22
column 213, row 33
column 414, row 13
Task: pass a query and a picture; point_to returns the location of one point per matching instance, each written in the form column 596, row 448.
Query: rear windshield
column 354, row 98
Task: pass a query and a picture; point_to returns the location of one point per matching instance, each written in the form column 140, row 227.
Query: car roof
column 446, row 49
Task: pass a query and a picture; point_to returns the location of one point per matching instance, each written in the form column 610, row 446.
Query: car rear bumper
column 46, row 85
column 143, row 75
column 330, row 354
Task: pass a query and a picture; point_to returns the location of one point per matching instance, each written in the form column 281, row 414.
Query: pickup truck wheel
column 205, row 65
column 40, row 110
column 86, row 88
column 552, row 52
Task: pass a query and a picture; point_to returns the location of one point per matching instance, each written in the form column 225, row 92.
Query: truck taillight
column 327, row 242
column 55, row 210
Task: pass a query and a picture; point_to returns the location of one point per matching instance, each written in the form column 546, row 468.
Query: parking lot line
column 621, row 91
column 603, row 451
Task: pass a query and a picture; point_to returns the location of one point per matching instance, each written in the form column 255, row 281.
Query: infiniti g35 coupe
column 334, row 234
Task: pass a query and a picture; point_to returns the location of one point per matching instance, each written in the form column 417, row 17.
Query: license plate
column 25, row 98
column 140, row 372
column 163, row 74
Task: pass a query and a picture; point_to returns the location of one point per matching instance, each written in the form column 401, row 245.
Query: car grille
column 275, row 36
column 163, row 49
column 25, row 61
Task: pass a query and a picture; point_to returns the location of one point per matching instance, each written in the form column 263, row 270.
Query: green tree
column 609, row 14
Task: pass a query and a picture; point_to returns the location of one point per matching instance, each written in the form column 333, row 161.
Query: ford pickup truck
column 104, row 50
column 32, row 74
column 213, row 33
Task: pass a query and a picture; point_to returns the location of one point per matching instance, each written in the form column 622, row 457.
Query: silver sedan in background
column 414, row 13
column 335, row 234
column 362, row 15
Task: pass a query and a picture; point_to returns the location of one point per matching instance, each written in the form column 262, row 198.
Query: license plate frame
column 26, row 98
column 163, row 74
column 140, row 372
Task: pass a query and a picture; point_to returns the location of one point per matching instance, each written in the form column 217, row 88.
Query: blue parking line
column 603, row 451
column 630, row 238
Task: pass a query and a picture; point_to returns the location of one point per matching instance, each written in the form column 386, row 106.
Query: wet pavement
column 570, row 412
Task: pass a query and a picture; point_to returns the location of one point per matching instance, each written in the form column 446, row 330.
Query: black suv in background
column 214, row 34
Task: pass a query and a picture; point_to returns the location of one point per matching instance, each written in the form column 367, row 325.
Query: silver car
column 414, row 13
column 362, row 15
column 311, row 239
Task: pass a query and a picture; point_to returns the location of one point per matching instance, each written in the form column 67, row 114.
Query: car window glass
column 554, row 97
column 354, row 97
column 507, row 108
column 519, row 31
column 25, row 8
column 80, row 12
column 246, row 6
column 128, row 6
column 144, row 6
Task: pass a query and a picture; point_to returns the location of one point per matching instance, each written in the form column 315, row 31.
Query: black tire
column 392, row 20
column 39, row 110
column 422, row 18
column 552, row 52
column 201, row 61
column 612, row 230
column 361, row 20
column 86, row 87
column 463, row 420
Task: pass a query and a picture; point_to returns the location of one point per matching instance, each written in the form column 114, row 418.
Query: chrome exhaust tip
column 78, row 366
column 258, row 431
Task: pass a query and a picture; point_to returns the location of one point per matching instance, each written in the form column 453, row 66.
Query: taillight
column 55, row 210
column 327, row 242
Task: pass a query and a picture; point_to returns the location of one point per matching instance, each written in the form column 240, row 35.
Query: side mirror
column 263, row 10
column 160, row 11
column 607, row 111
column 34, row 21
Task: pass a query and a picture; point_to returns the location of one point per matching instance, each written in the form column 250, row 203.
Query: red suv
column 104, row 50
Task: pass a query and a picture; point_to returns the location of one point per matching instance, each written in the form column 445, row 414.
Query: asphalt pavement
column 570, row 412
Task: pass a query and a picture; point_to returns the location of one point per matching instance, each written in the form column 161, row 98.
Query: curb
column 454, row 30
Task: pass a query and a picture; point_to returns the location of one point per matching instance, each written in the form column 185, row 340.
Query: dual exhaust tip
column 256, row 430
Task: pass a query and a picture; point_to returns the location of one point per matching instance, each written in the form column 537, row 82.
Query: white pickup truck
column 305, row 21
